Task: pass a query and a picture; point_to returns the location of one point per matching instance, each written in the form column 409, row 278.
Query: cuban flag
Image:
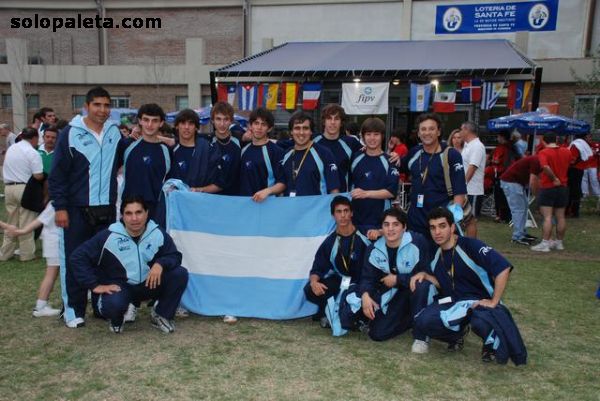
column 247, row 96
column 245, row 258
column 490, row 95
column 470, row 90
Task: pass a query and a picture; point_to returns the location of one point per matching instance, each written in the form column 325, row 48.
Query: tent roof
column 384, row 59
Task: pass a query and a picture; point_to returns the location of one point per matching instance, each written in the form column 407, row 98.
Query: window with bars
column 587, row 108
column 119, row 102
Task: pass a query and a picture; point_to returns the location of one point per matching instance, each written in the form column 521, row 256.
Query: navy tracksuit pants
column 429, row 324
column 74, row 295
column 168, row 294
column 401, row 310
column 333, row 287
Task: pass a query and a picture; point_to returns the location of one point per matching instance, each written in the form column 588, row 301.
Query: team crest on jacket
column 458, row 166
column 484, row 250
column 123, row 244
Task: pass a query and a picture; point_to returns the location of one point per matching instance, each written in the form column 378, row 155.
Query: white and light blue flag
column 248, row 259
column 419, row 97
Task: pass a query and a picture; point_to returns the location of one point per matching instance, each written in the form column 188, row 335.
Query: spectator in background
column 47, row 154
column 521, row 175
column 48, row 118
column 590, row 184
column 502, row 157
column 397, row 144
column 125, row 130
column 10, row 136
column 553, row 196
column 456, row 141
column 21, row 163
column 581, row 155
column 473, row 155
column 520, row 144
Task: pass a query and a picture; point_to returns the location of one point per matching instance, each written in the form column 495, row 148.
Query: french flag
column 310, row 95
column 255, row 268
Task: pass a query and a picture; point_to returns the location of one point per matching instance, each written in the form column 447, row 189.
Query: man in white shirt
column 473, row 155
column 22, row 161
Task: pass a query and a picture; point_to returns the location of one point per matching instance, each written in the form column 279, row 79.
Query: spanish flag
column 289, row 95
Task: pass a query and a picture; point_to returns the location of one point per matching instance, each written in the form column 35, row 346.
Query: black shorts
column 476, row 201
column 557, row 197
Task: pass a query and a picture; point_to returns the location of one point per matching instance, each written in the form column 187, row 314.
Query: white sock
column 40, row 303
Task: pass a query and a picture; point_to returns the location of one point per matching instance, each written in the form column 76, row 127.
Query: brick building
column 170, row 64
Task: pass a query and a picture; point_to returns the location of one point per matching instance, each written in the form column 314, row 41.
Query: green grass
column 551, row 297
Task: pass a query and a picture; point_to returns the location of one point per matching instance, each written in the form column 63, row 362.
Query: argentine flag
column 248, row 259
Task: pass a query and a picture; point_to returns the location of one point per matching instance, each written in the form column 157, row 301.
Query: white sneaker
column 164, row 325
column 420, row 347
column 75, row 323
column 543, row 246
column 230, row 319
column 47, row 310
column 557, row 244
column 131, row 314
column 182, row 312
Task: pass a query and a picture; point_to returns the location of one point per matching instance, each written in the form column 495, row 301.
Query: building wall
column 66, row 46
column 323, row 22
column 221, row 29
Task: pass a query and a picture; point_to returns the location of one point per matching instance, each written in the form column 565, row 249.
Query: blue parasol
column 539, row 122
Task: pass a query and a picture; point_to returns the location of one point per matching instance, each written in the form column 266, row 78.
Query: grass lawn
column 551, row 297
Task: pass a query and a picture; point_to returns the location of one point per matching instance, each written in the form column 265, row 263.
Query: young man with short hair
column 473, row 155
column 229, row 148
column 21, row 163
column 426, row 163
column 336, row 268
column 373, row 180
column 390, row 262
column 196, row 160
column 50, row 136
column 147, row 161
column 261, row 174
column 309, row 168
column 471, row 278
column 83, row 188
column 131, row 261
column 553, row 195
column 334, row 138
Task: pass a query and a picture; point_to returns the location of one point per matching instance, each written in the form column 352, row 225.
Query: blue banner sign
column 497, row 17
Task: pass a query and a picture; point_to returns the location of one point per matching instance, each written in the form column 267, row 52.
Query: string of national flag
column 252, row 95
column 285, row 95
column 471, row 91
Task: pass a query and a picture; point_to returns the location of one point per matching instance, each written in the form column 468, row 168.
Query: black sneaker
column 530, row 237
column 522, row 241
column 488, row 354
column 324, row 322
column 459, row 344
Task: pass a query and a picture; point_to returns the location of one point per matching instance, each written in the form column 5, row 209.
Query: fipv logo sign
column 366, row 95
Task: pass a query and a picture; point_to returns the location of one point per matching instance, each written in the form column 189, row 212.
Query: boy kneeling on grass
column 471, row 278
column 131, row 261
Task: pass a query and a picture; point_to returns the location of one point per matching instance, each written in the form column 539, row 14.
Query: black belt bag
column 100, row 215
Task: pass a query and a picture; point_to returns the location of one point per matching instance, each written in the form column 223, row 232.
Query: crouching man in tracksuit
column 131, row 261
column 336, row 268
column 471, row 278
column 389, row 264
